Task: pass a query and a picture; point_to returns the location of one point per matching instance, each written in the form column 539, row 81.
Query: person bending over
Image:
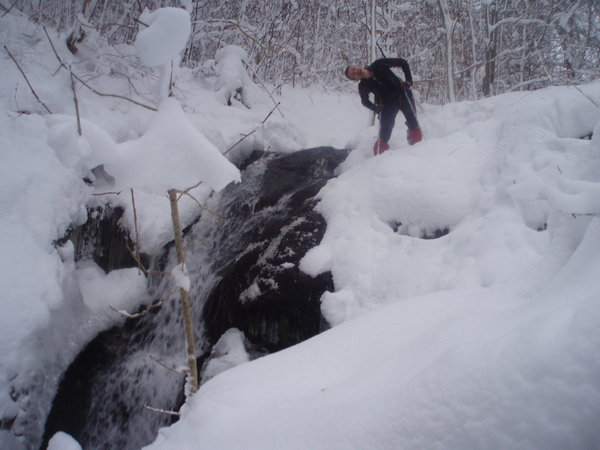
column 391, row 95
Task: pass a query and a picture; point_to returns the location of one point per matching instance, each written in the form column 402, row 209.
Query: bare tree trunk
column 373, row 49
column 489, row 75
column 449, row 27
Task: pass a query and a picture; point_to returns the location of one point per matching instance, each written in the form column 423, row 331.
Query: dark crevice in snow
column 103, row 240
column 243, row 264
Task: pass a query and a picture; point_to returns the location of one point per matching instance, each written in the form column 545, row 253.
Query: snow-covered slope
column 486, row 337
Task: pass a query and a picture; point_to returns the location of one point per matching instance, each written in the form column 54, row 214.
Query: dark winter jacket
column 385, row 86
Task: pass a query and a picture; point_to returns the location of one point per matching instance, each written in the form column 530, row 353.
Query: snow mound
column 172, row 153
column 233, row 82
column 167, row 33
column 480, row 336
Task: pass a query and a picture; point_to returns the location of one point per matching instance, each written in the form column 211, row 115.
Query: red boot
column 380, row 147
column 413, row 136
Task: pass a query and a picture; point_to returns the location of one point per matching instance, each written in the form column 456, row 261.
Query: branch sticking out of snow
column 162, row 411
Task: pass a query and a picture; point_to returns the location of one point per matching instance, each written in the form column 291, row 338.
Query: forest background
column 458, row 49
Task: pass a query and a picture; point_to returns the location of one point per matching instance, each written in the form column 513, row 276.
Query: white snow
column 483, row 338
column 486, row 337
column 119, row 289
column 171, row 153
column 160, row 44
column 234, row 79
column 62, row 441
column 167, row 33
column 228, row 352
column 182, row 279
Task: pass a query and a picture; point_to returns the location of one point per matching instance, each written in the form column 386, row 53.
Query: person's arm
column 363, row 91
column 402, row 63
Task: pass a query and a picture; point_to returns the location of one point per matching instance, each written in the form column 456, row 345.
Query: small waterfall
column 243, row 264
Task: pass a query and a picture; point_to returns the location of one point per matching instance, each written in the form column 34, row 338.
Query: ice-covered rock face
column 243, row 265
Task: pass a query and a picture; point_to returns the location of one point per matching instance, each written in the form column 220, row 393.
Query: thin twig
column 140, row 314
column 135, row 224
column 141, row 266
column 8, row 9
column 27, row 80
column 172, row 369
column 76, row 105
column 162, row 411
column 271, row 112
column 54, row 49
column 244, row 137
column 253, row 131
column 101, row 94
column 108, row 193
column 103, row 28
column 131, row 85
column 140, row 22
column 187, row 192
column 264, row 87
column 188, row 189
column 581, row 92
column 170, row 94
column 201, row 205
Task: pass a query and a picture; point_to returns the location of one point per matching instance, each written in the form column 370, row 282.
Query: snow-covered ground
column 486, row 337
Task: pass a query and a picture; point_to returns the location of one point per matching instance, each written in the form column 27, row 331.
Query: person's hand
column 408, row 84
column 378, row 109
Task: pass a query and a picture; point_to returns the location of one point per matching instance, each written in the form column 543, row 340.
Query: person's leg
column 414, row 133
column 408, row 111
column 387, row 120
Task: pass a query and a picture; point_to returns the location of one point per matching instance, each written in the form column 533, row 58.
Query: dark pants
column 390, row 110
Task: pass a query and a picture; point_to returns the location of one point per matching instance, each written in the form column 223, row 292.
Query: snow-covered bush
column 159, row 44
column 233, row 82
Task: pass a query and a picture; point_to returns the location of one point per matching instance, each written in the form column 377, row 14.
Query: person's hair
column 346, row 72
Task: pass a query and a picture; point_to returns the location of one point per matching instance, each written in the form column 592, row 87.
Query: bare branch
column 162, row 411
column 253, row 131
column 141, row 266
column 137, row 234
column 264, row 87
column 201, row 205
column 101, row 94
column 54, row 49
column 76, row 105
column 244, row 137
column 591, row 100
column 103, row 28
column 27, row 80
column 172, row 369
column 7, row 10
column 189, row 189
column 140, row 22
column 140, row 314
column 270, row 112
column 108, row 193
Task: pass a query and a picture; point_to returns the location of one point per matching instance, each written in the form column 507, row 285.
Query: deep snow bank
column 483, row 338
